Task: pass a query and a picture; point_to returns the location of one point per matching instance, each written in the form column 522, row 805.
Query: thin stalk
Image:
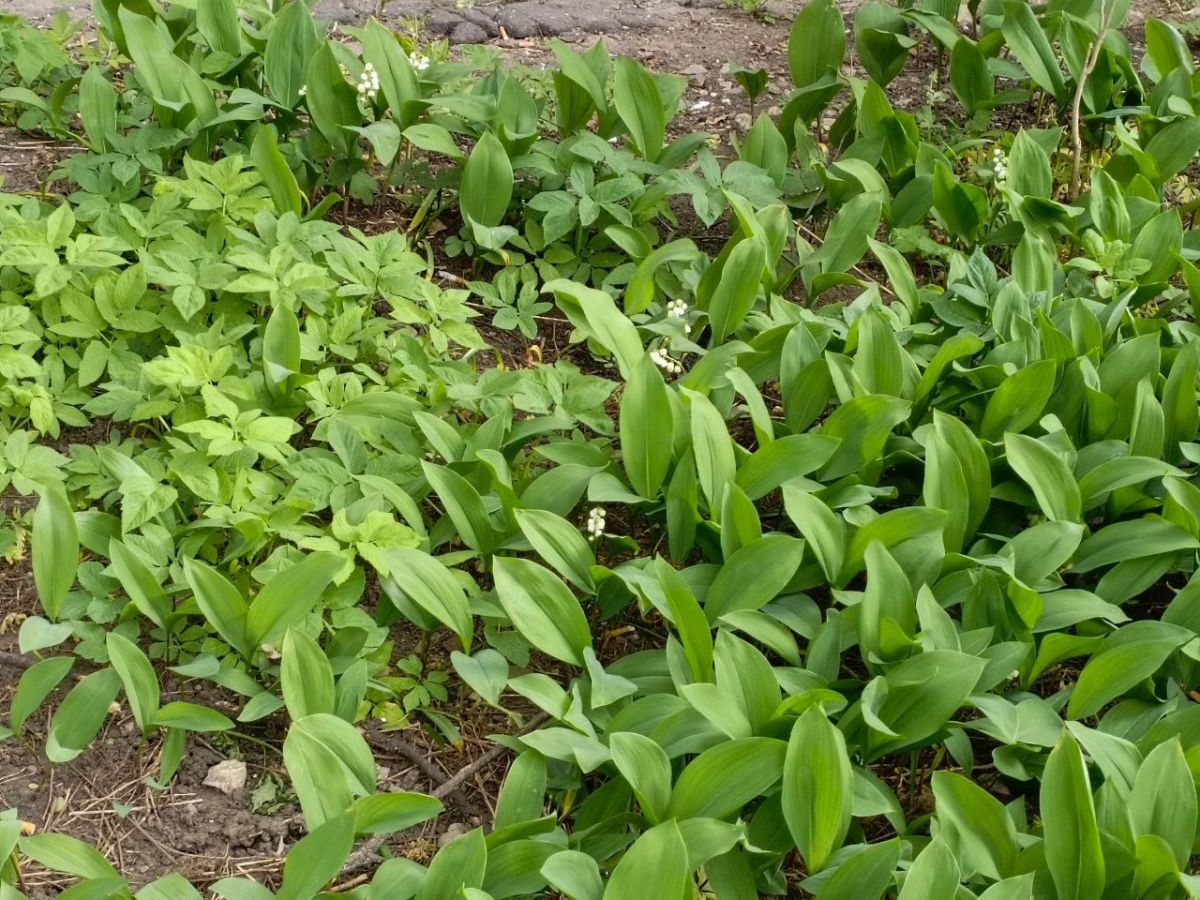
column 1089, row 66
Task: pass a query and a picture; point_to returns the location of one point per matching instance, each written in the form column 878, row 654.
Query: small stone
column 227, row 776
column 468, row 33
column 453, row 831
column 742, row 121
column 697, row 74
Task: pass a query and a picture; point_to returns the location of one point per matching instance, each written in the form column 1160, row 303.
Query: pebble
column 453, row 831
column 227, row 776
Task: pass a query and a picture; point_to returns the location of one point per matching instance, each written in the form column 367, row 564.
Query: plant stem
column 1089, row 66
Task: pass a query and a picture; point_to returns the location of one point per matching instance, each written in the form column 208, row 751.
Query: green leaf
column 640, row 106
column 458, row 865
column 62, row 853
column 976, row 825
column 816, row 43
column 78, row 718
column 574, row 874
column 1073, row 851
column 317, row 858
column 281, row 182
column 655, row 866
column 594, row 313
column 221, row 603
column 1163, row 800
column 754, row 575
column 864, row 875
column 862, row 426
column 817, row 788
column 289, row 596
column 737, row 289
column 560, row 544
column 973, row 84
column 138, row 678
column 191, row 717
column 644, row 764
column 140, row 584
column 934, row 874
column 98, row 109
column 306, row 676
column 542, row 608
column 55, row 549
column 389, row 813
column 464, row 506
column 36, row 684
column 332, row 103
column 330, row 766
column 487, row 183
column 1117, row 668
column 645, row 416
column 485, row 672
column 1027, row 41
column 397, row 79
column 1019, row 400
column 1047, row 475
column 290, row 47
column 726, row 777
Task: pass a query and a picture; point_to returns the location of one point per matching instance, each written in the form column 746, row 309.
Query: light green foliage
column 917, row 433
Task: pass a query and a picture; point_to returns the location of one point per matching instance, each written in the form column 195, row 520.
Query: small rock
column 453, row 831
column 227, row 776
column 468, row 33
column 742, row 121
column 774, row 112
column 697, row 74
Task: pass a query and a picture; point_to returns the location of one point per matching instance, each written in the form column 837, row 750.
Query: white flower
column 303, row 90
column 663, row 360
column 368, row 82
column 419, row 61
column 595, row 523
column 999, row 165
column 677, row 309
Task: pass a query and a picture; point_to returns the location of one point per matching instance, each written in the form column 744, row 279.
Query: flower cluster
column 999, row 165
column 662, row 358
column 419, row 61
column 677, row 309
column 303, row 92
column 595, row 523
column 368, row 83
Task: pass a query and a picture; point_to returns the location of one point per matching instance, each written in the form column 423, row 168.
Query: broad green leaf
column 542, row 608
column 138, row 678
column 289, row 596
column 1047, row 475
column 645, row 417
column 1163, row 800
column 560, row 544
column 36, row 684
column 726, row 777
column 976, row 825
column 640, row 107
column 754, row 576
column 221, row 603
column 55, row 549
column 78, row 718
column 430, row 585
column 487, row 183
column 816, row 43
column 306, row 676
column 459, row 865
column 655, row 866
column 1073, row 851
column 644, row 765
column 317, row 858
column 330, row 766
column 817, row 788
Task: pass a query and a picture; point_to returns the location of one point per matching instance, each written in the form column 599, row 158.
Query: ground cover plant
column 881, row 435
